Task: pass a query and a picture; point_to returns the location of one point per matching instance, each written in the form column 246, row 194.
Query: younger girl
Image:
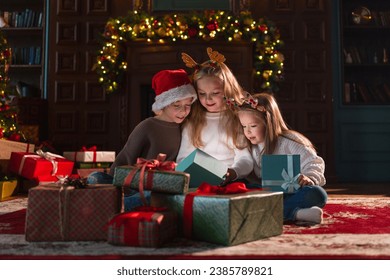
column 267, row 132
column 211, row 126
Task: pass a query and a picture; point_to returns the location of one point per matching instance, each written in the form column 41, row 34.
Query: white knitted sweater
column 312, row 165
column 217, row 145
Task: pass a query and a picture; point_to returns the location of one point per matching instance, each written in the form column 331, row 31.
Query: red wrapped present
column 143, row 227
column 41, row 165
column 65, row 213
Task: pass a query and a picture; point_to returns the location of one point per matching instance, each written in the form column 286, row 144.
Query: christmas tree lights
column 8, row 111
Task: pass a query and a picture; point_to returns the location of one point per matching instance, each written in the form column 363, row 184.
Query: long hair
column 275, row 126
column 229, row 121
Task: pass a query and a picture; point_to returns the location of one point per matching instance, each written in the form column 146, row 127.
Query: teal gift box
column 280, row 172
column 202, row 168
column 229, row 219
column 154, row 180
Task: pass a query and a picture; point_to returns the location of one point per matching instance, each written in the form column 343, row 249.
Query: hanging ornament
column 161, row 32
column 237, row 36
column 192, row 32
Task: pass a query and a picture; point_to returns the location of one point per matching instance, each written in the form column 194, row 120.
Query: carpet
column 353, row 228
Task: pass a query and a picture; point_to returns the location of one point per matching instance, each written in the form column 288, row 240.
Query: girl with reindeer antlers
column 212, row 126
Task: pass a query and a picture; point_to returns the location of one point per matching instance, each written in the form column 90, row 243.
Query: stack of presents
column 150, row 203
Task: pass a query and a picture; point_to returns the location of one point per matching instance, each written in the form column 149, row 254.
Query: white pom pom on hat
column 171, row 86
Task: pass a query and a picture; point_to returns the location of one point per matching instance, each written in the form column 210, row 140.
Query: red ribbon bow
column 90, row 149
column 206, row 189
column 85, row 149
column 151, row 164
column 130, row 221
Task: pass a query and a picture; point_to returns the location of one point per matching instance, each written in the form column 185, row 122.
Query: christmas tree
column 8, row 110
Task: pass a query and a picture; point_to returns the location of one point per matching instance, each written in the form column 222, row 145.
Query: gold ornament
column 161, row 32
column 237, row 36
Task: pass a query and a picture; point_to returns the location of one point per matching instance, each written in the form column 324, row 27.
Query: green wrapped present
column 154, row 180
column 280, row 172
column 202, row 168
column 228, row 219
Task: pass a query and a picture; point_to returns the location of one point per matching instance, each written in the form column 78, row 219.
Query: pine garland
column 209, row 25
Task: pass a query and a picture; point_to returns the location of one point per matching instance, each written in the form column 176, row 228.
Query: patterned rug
column 353, row 228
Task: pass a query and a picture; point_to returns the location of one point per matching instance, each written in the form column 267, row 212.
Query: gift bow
column 91, row 149
column 157, row 164
column 50, row 157
column 290, row 183
column 151, row 164
column 129, row 225
column 207, row 189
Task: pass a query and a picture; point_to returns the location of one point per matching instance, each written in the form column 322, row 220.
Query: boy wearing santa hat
column 161, row 133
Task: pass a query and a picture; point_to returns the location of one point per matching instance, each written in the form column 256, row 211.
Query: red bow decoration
column 207, row 189
column 130, row 221
column 151, row 164
column 85, row 149
column 90, row 149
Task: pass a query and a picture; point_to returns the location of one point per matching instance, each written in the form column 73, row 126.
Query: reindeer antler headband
column 215, row 60
column 246, row 102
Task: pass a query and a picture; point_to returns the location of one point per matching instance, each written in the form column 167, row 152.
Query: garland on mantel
column 209, row 25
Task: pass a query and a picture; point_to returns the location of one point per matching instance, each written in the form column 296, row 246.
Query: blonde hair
column 275, row 126
column 232, row 89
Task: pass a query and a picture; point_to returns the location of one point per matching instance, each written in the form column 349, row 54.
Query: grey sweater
column 149, row 138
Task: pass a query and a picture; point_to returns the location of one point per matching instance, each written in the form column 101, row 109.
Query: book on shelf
column 28, row 18
column 380, row 94
column 386, row 88
column 355, row 55
column 347, row 93
column 364, row 93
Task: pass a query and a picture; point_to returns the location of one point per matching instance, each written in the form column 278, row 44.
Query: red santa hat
column 171, row 86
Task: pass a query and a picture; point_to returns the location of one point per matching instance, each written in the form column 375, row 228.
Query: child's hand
column 229, row 176
column 303, row 180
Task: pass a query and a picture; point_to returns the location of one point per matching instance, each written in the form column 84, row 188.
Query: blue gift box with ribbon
column 280, row 172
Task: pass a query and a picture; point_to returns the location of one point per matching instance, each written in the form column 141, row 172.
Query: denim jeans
column 104, row 178
column 305, row 197
column 97, row 177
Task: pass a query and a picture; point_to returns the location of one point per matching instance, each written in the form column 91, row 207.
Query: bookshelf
column 24, row 28
column 361, row 91
column 365, row 48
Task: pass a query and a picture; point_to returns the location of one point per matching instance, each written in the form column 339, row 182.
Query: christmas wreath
column 208, row 25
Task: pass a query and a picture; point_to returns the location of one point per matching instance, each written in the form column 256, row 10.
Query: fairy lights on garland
column 141, row 26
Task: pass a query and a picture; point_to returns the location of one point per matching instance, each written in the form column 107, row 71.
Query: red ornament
column 1, row 132
column 155, row 24
column 192, row 32
column 212, row 25
column 263, row 27
column 15, row 137
column 6, row 53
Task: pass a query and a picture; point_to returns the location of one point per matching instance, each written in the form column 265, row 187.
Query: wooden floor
column 358, row 189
